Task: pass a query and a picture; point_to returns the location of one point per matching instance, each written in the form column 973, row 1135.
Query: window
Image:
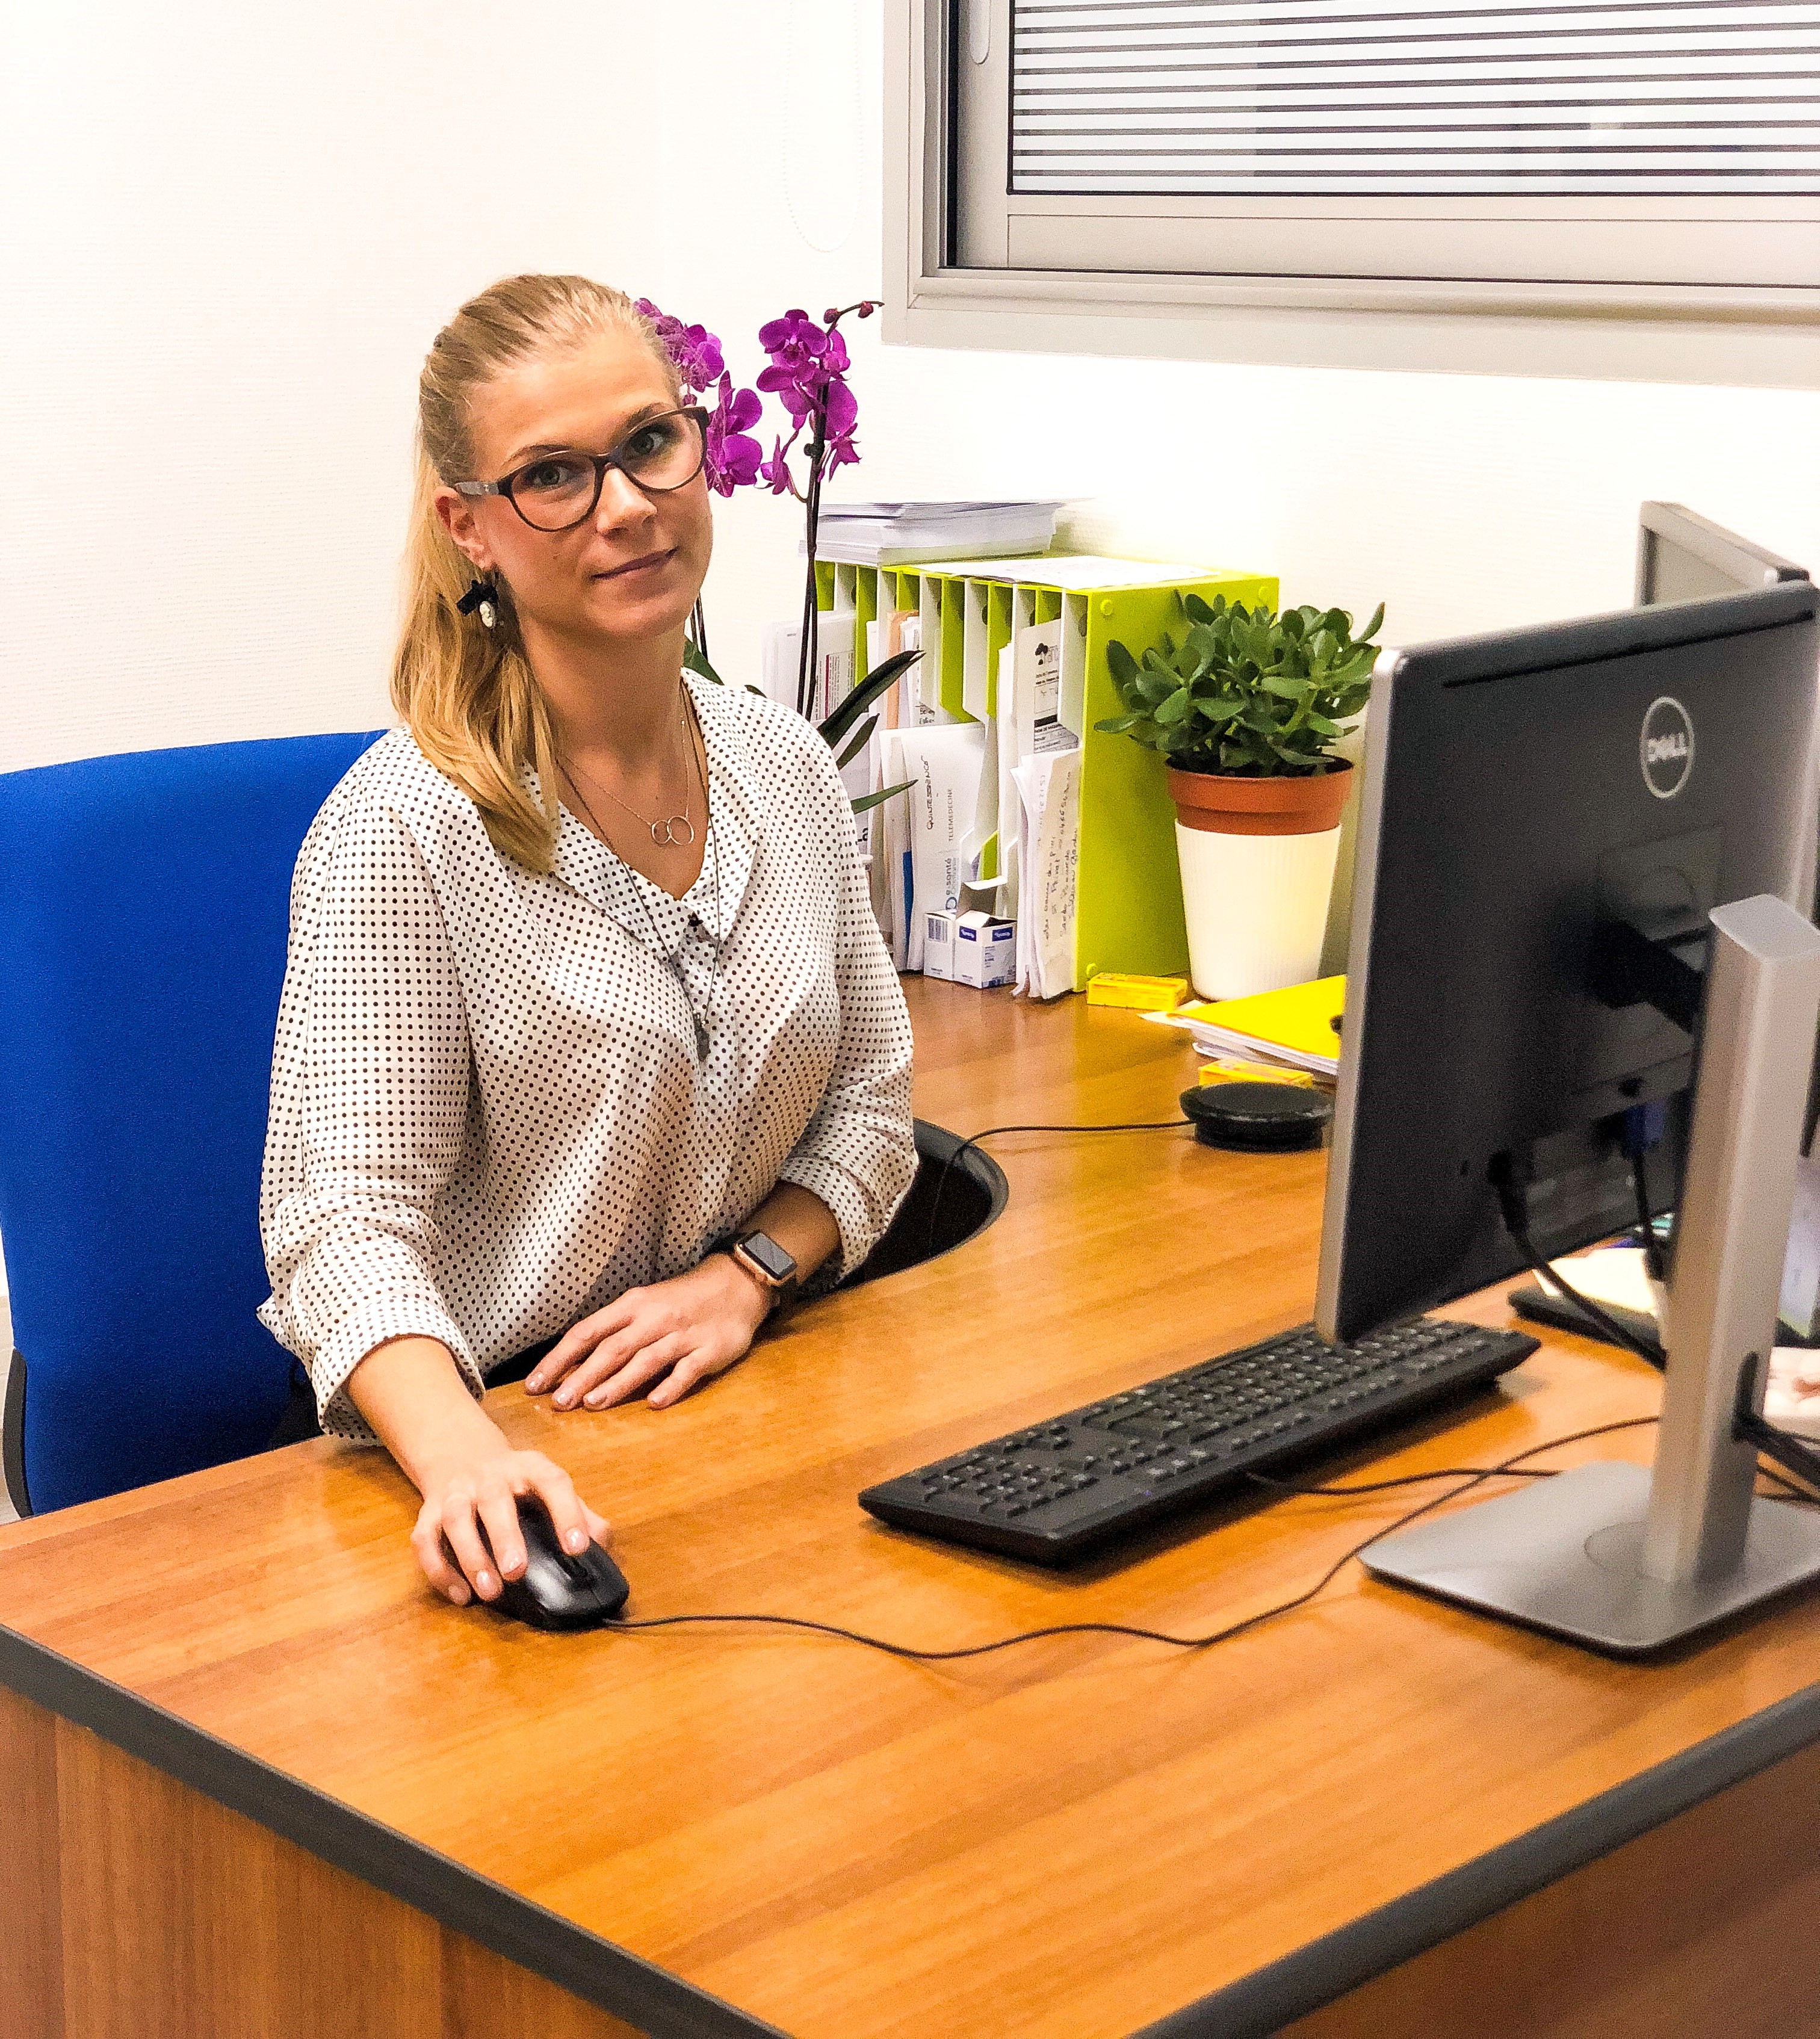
column 1568, row 162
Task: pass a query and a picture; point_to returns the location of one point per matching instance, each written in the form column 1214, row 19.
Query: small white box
column 970, row 948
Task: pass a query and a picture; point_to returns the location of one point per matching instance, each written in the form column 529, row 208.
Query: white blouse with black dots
column 487, row 1116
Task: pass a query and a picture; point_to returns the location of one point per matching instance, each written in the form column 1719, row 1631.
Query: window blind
column 1655, row 98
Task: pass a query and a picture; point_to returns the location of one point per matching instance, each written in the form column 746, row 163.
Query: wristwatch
column 769, row 1266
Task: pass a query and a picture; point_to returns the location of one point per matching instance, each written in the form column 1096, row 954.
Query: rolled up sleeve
column 369, row 1094
column 858, row 1152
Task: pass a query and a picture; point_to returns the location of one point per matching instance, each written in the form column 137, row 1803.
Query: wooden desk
column 259, row 1781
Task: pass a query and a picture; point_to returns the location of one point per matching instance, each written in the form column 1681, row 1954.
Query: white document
column 836, row 644
column 1800, row 1303
column 942, row 762
column 1049, row 787
column 891, row 873
column 1029, row 725
column 781, row 654
column 1791, row 1394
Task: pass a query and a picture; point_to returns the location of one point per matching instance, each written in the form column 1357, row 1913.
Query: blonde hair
column 467, row 693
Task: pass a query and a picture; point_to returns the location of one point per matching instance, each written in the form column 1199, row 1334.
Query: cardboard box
column 970, row 948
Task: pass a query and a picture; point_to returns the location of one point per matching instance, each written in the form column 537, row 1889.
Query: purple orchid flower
column 732, row 459
column 695, row 351
column 806, row 368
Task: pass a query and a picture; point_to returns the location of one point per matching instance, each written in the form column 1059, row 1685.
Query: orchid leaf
column 696, row 659
column 875, row 682
column 859, row 743
column 866, row 801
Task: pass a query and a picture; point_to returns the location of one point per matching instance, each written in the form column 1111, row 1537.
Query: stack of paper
column 1293, row 1028
column 1046, row 860
column 896, row 534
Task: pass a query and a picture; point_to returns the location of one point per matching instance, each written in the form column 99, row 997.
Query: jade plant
column 1247, row 691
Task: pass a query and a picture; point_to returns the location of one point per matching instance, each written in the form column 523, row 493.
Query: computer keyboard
column 1059, row 1489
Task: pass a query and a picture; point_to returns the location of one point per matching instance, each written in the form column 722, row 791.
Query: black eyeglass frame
column 600, row 462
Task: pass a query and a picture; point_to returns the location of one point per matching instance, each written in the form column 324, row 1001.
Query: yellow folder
column 1297, row 1023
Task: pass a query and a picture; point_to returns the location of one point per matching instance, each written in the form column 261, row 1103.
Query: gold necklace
column 698, row 757
column 669, row 839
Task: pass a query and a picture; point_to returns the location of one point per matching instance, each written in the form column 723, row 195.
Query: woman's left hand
column 677, row 1333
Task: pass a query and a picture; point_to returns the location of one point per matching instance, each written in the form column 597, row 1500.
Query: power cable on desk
column 991, row 1132
column 1131, row 1631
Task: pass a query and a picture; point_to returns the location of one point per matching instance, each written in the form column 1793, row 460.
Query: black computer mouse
column 556, row 1590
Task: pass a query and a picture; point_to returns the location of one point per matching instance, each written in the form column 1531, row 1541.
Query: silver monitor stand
column 1616, row 1555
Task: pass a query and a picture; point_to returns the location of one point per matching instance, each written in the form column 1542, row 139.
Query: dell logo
column 1667, row 746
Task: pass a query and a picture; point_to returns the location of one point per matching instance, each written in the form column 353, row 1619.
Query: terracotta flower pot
column 1225, row 805
column 1257, row 858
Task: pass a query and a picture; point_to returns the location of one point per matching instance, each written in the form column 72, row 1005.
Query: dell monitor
column 1682, row 557
column 1552, row 820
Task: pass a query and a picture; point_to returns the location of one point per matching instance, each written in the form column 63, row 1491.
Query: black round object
column 1266, row 1117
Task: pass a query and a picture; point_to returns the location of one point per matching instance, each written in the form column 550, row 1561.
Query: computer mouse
column 555, row 1589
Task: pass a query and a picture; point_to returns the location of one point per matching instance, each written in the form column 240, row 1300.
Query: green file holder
column 1128, row 895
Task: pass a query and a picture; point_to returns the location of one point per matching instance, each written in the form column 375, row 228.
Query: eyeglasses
column 557, row 490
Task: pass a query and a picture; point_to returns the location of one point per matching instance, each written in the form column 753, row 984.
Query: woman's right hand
column 459, row 1460
column 480, row 1489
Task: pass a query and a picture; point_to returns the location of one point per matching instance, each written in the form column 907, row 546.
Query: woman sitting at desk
column 587, row 1027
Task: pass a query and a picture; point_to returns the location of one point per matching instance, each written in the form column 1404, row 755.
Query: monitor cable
column 1513, row 1204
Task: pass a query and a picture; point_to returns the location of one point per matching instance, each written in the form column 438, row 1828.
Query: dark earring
column 483, row 596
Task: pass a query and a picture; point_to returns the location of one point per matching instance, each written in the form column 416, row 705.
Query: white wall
column 235, row 230
column 232, row 232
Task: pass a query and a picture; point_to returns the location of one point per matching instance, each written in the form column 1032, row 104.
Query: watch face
column 760, row 1246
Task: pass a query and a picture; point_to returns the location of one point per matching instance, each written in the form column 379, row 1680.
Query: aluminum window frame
column 1760, row 335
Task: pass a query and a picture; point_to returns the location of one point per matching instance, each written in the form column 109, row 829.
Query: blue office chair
column 143, row 907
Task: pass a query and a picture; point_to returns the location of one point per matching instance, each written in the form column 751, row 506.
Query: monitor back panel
column 1521, row 791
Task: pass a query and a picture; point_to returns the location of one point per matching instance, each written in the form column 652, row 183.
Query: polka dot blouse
column 490, row 1109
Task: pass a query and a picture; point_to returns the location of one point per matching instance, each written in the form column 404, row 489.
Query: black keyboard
column 1061, row 1488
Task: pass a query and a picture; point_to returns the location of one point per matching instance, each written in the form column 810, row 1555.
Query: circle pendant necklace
column 664, row 830
column 675, row 963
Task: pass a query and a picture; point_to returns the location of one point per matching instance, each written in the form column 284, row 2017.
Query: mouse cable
column 1128, row 1629
column 991, row 1132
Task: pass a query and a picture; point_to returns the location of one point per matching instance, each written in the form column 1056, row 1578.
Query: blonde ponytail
column 467, row 693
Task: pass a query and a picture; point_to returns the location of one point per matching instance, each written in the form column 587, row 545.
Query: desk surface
column 732, row 1830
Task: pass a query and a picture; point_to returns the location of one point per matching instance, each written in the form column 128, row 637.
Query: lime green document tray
column 1128, row 887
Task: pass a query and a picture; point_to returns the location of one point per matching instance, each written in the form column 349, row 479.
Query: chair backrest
column 144, row 903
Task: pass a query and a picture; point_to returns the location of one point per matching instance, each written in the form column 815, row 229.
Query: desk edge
column 594, row 1969
column 1262, row 2004
column 662, row 2004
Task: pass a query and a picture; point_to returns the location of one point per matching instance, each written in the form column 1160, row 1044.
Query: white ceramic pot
column 1257, row 908
column 1257, row 858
